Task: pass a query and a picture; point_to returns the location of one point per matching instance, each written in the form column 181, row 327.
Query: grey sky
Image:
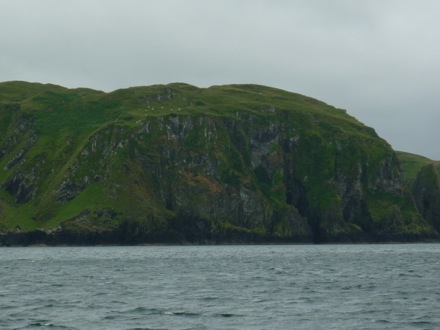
column 379, row 59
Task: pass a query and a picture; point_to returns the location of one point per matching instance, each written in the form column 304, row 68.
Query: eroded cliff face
column 271, row 174
column 426, row 192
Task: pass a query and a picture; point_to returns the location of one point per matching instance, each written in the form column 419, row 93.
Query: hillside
column 412, row 164
column 176, row 163
column 423, row 177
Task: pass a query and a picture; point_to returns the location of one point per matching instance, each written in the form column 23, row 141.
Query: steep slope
column 178, row 163
column 423, row 176
column 411, row 165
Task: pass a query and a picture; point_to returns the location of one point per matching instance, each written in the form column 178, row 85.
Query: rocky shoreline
column 128, row 237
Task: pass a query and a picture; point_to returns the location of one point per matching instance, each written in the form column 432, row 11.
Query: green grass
column 92, row 198
column 328, row 145
column 412, row 164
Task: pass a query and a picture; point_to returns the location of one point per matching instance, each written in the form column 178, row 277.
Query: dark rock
column 426, row 192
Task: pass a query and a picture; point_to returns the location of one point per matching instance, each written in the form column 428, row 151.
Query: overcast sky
column 379, row 59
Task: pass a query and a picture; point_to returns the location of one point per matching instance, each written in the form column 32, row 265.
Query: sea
column 389, row 286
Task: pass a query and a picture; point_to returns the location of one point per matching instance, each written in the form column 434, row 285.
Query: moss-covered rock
column 176, row 163
column 426, row 192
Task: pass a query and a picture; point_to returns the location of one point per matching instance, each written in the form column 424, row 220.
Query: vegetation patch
column 180, row 163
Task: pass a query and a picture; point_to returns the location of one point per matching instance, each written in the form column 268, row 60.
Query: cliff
column 176, row 163
column 423, row 177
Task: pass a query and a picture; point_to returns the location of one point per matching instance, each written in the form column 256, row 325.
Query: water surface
column 221, row 287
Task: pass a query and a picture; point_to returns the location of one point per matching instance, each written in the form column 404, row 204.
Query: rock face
column 175, row 163
column 426, row 192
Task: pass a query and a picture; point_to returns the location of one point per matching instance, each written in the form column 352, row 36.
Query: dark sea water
column 221, row 287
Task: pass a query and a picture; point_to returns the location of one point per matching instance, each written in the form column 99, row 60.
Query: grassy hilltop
column 177, row 163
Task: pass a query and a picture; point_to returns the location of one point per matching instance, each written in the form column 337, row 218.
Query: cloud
column 378, row 60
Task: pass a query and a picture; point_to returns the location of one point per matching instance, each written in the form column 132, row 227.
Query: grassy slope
column 81, row 109
column 412, row 164
column 65, row 120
